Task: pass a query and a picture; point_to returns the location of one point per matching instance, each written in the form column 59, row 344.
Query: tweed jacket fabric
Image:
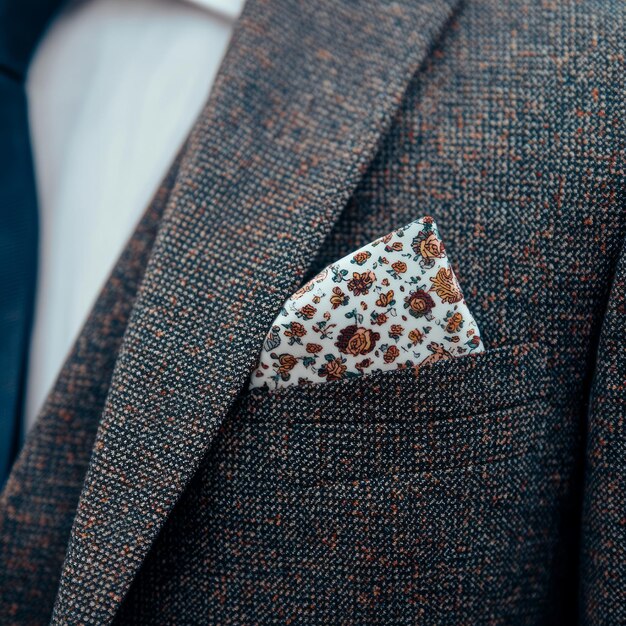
column 488, row 489
column 40, row 501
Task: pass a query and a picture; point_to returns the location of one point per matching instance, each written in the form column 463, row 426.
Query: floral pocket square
column 395, row 303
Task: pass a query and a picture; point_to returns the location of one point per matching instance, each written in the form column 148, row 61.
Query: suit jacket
column 491, row 489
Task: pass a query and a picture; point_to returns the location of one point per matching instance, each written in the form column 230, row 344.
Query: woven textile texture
column 375, row 500
column 39, row 502
column 487, row 489
column 505, row 138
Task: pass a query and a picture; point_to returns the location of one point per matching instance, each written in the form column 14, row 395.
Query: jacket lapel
column 295, row 116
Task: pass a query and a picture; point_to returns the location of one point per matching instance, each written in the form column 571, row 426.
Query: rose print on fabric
column 419, row 304
column 394, row 303
column 446, row 286
column 356, row 340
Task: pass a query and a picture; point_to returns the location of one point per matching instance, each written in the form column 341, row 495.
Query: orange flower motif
column 361, row 257
column 286, row 362
column 333, row 370
column 454, row 323
column 308, row 311
column 397, row 246
column 391, row 355
column 356, row 340
column 431, row 247
column 295, row 330
column 360, row 284
column 313, row 348
column 385, row 299
column 381, row 319
column 416, row 336
column 419, row 303
column 396, row 330
column 399, row 267
column 446, row 286
column 338, row 298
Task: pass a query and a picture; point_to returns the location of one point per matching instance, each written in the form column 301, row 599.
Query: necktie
column 22, row 23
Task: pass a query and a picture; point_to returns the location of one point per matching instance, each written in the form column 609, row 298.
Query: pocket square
column 394, row 303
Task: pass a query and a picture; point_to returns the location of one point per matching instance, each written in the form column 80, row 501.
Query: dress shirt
column 113, row 91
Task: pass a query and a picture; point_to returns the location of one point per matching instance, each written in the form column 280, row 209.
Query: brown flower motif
column 396, row 331
column 360, row 284
column 454, row 323
column 308, row 311
column 474, row 342
column 419, row 303
column 338, row 298
column 446, row 287
column 286, row 362
column 399, row 267
column 391, row 355
column 364, row 364
column 361, row 257
column 333, row 370
column 381, row 319
column 295, row 330
column 313, row 348
column 385, row 299
column 356, row 340
column 416, row 336
column 430, row 247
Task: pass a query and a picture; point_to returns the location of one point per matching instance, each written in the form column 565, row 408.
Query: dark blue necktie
column 22, row 23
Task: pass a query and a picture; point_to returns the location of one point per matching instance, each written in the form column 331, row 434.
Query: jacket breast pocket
column 454, row 413
column 385, row 498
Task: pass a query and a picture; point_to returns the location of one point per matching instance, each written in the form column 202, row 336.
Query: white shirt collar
column 230, row 9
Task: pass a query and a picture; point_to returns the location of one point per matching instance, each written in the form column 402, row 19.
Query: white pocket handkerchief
column 394, row 303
